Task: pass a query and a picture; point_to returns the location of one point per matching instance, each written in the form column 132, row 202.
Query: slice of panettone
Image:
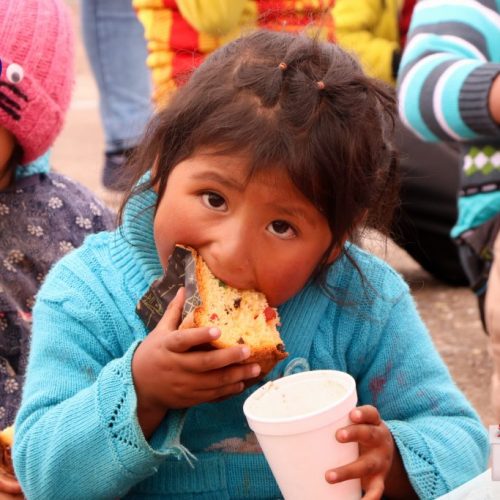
column 243, row 316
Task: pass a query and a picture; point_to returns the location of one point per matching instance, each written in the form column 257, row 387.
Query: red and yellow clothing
column 180, row 33
column 374, row 30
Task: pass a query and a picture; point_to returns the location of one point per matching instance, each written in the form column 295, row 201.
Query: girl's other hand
column 9, row 487
column 172, row 371
column 376, row 452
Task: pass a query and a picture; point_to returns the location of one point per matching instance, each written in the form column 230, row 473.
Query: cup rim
column 347, row 381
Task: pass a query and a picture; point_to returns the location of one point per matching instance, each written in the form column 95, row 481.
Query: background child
column 376, row 30
column 266, row 162
column 450, row 91
column 181, row 33
column 42, row 215
column 116, row 49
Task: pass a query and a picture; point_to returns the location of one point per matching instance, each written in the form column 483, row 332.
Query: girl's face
column 262, row 234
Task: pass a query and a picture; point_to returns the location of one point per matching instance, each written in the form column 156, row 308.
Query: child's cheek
column 282, row 283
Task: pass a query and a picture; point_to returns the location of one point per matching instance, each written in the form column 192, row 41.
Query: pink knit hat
column 36, row 75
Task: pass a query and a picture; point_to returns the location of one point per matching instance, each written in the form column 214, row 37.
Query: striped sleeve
column 449, row 64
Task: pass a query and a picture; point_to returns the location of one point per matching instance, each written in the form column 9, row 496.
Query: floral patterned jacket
column 42, row 217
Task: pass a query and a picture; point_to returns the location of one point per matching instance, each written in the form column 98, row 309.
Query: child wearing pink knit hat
column 43, row 215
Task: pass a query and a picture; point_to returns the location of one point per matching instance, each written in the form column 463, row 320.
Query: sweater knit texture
column 370, row 29
column 77, row 433
column 451, row 59
column 42, row 217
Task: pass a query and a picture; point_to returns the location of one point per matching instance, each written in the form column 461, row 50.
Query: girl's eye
column 214, row 201
column 14, row 73
column 282, row 229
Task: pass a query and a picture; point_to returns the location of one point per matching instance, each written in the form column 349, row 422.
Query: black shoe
column 113, row 174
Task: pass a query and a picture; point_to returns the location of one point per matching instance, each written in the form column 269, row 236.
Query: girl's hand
column 376, row 452
column 171, row 372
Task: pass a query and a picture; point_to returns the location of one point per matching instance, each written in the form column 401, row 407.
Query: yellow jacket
column 370, row 30
column 180, row 33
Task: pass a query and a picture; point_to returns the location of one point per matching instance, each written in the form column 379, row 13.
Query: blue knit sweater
column 77, row 434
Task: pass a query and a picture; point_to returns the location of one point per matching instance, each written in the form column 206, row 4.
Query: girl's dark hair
column 293, row 101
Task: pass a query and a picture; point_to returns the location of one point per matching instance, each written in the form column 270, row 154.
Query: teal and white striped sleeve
column 448, row 66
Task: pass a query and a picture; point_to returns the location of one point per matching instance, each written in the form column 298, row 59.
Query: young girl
column 267, row 162
column 43, row 215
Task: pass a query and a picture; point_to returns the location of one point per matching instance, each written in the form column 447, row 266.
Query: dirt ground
column 450, row 313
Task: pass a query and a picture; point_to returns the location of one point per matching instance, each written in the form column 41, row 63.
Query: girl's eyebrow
column 293, row 211
column 225, row 181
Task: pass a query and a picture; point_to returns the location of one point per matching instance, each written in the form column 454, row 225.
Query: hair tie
column 282, row 66
column 320, row 85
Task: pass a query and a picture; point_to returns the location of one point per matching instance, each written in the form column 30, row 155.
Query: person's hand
column 376, row 452
column 171, row 370
column 10, row 489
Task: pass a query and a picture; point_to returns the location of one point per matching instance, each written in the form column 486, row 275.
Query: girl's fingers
column 206, row 361
column 374, row 489
column 173, row 315
column 366, row 466
column 183, row 340
column 230, row 375
column 366, row 414
column 221, row 392
column 367, row 435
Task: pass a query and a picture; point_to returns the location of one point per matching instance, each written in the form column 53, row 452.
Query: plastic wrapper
column 180, row 273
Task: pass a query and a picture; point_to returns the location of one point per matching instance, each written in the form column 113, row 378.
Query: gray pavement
column 450, row 313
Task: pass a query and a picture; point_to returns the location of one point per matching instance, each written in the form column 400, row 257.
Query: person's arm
column 212, row 17
column 355, row 24
column 446, row 78
column 77, row 421
column 494, row 99
column 440, row 439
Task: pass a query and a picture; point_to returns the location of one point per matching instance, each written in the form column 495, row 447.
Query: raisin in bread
column 243, row 316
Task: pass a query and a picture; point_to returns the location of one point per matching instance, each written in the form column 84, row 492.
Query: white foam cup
column 295, row 419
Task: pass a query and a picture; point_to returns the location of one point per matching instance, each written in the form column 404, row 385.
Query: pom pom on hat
column 36, row 77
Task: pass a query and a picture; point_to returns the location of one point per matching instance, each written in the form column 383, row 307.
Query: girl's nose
column 232, row 254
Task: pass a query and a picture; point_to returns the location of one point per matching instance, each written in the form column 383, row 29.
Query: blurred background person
column 181, row 33
column 376, row 31
column 43, row 215
column 450, row 91
column 116, row 49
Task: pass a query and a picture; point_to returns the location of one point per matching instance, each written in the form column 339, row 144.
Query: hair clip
column 320, row 85
column 282, row 66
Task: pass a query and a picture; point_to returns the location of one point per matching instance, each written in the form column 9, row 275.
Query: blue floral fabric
column 42, row 217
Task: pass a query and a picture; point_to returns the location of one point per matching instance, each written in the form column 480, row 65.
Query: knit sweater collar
column 133, row 251
column 132, row 248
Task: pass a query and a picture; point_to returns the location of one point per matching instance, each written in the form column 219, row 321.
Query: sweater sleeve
column 355, row 23
column 447, row 70
column 440, row 438
column 77, row 434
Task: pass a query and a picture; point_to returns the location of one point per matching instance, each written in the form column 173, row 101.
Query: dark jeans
column 429, row 184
